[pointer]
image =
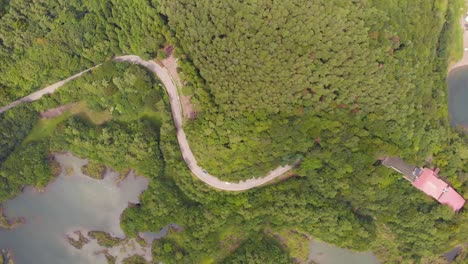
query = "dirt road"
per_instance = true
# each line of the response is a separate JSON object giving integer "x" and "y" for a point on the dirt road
{"x": 47, "y": 90}
{"x": 176, "y": 109}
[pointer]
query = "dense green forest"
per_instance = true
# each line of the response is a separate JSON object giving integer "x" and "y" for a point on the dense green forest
{"x": 44, "y": 41}
{"x": 258, "y": 251}
{"x": 107, "y": 122}
{"x": 332, "y": 83}
{"x": 357, "y": 73}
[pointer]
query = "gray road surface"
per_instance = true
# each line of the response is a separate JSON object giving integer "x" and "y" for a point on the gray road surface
{"x": 176, "y": 109}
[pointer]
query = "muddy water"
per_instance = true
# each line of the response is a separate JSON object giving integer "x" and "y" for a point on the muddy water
{"x": 69, "y": 203}
{"x": 458, "y": 96}
{"x": 323, "y": 253}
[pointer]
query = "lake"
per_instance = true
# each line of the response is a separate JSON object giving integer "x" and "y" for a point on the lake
{"x": 67, "y": 204}
{"x": 324, "y": 253}
{"x": 77, "y": 202}
{"x": 458, "y": 96}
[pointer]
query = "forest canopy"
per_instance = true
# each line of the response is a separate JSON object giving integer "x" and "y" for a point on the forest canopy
{"x": 333, "y": 85}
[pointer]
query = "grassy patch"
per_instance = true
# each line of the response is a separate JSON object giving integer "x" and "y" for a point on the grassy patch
{"x": 78, "y": 244}
{"x": 208, "y": 260}
{"x": 296, "y": 243}
{"x": 9, "y": 223}
{"x": 82, "y": 109}
{"x": 104, "y": 239}
{"x": 136, "y": 259}
{"x": 54, "y": 166}
{"x": 45, "y": 127}
{"x": 110, "y": 259}
{"x": 231, "y": 238}
{"x": 455, "y": 31}
{"x": 94, "y": 169}
{"x": 69, "y": 170}
{"x": 145, "y": 114}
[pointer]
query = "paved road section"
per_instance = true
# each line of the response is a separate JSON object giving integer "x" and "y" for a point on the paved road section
{"x": 47, "y": 90}
{"x": 176, "y": 109}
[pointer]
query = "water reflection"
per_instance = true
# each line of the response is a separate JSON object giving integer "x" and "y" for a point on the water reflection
{"x": 458, "y": 96}
{"x": 67, "y": 204}
{"x": 149, "y": 237}
{"x": 324, "y": 253}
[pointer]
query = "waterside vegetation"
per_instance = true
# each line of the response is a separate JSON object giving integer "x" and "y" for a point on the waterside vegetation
{"x": 334, "y": 84}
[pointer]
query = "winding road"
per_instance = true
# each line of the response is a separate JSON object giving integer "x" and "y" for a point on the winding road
{"x": 163, "y": 74}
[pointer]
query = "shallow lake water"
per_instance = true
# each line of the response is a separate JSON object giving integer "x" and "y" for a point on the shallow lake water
{"x": 69, "y": 203}
{"x": 149, "y": 237}
{"x": 80, "y": 203}
{"x": 324, "y": 253}
{"x": 458, "y": 96}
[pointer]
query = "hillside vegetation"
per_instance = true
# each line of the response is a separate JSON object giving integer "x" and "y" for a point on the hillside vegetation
{"x": 276, "y": 78}
{"x": 333, "y": 84}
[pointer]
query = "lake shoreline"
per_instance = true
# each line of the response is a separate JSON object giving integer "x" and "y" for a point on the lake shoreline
{"x": 70, "y": 201}
{"x": 457, "y": 81}
{"x": 7, "y": 223}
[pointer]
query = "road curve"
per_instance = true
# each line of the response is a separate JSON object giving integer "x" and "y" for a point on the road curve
{"x": 176, "y": 109}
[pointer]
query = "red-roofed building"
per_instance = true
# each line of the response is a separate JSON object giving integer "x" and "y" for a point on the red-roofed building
{"x": 427, "y": 181}
{"x": 452, "y": 199}
{"x": 432, "y": 185}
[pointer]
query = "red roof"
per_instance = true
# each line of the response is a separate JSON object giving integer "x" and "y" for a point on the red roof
{"x": 452, "y": 199}
{"x": 429, "y": 183}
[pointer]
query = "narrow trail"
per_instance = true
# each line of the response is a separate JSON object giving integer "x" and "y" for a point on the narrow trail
{"x": 171, "y": 89}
